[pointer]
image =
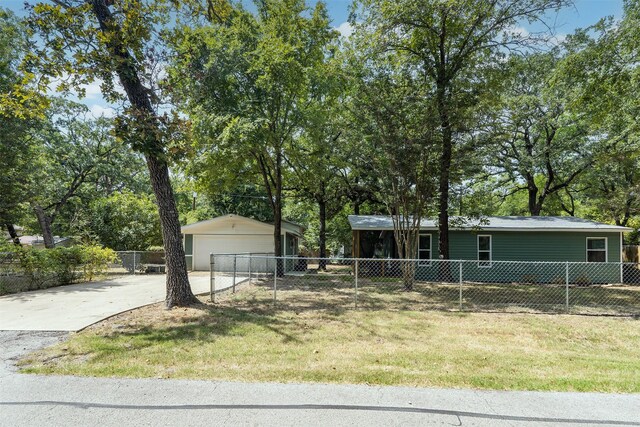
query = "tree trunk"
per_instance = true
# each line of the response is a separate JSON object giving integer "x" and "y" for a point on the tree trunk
{"x": 407, "y": 246}
{"x": 356, "y": 208}
{"x": 442, "y": 83}
{"x": 534, "y": 206}
{"x": 408, "y": 274}
{"x": 45, "y": 225}
{"x": 13, "y": 234}
{"x": 444, "y": 272}
{"x": 443, "y": 202}
{"x": 627, "y": 214}
{"x": 322, "y": 204}
{"x": 178, "y": 288}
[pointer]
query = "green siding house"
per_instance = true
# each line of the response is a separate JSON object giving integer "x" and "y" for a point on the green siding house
{"x": 499, "y": 245}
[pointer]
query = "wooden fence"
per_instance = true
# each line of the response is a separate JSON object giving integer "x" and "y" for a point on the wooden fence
{"x": 631, "y": 253}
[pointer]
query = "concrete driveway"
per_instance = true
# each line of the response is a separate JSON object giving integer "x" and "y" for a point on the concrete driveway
{"x": 73, "y": 307}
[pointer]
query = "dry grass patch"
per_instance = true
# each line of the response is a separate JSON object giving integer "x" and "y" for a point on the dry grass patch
{"x": 245, "y": 338}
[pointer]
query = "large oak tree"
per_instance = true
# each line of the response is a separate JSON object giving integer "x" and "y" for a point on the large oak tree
{"x": 457, "y": 43}
{"x": 248, "y": 82}
{"x": 117, "y": 43}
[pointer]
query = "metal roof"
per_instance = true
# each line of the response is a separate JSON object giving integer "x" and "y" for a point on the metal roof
{"x": 492, "y": 223}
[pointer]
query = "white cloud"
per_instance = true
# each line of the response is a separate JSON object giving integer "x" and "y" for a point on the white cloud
{"x": 519, "y": 31}
{"x": 92, "y": 90}
{"x": 345, "y": 29}
{"x": 558, "y": 39}
{"x": 101, "y": 111}
{"x": 522, "y": 33}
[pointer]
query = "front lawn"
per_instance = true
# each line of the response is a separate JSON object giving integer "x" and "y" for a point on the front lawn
{"x": 243, "y": 339}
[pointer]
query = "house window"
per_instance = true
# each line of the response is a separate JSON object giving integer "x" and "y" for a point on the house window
{"x": 596, "y": 249}
{"x": 424, "y": 249}
{"x": 484, "y": 251}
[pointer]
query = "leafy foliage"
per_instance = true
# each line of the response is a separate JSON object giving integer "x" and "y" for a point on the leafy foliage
{"x": 536, "y": 142}
{"x": 59, "y": 266}
{"x": 125, "y": 221}
{"x": 17, "y": 112}
{"x": 119, "y": 43}
{"x": 249, "y": 79}
{"x": 428, "y": 108}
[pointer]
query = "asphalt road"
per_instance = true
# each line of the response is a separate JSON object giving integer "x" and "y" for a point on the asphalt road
{"x": 29, "y": 400}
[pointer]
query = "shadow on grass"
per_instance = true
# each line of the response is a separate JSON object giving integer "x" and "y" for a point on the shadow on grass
{"x": 337, "y": 294}
{"x": 210, "y": 323}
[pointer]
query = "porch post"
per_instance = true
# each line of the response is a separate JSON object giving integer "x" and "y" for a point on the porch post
{"x": 212, "y": 279}
{"x": 460, "y": 279}
{"x": 356, "y": 284}
{"x": 235, "y": 259}
{"x": 275, "y": 280}
{"x": 566, "y": 286}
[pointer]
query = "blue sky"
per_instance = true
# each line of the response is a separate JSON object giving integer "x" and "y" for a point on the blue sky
{"x": 583, "y": 14}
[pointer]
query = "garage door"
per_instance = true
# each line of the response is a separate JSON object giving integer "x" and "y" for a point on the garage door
{"x": 203, "y": 245}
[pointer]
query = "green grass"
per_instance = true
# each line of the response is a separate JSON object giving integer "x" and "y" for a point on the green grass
{"x": 244, "y": 338}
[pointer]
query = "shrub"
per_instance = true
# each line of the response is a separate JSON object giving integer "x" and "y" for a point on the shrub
{"x": 42, "y": 268}
{"x": 96, "y": 260}
{"x": 64, "y": 263}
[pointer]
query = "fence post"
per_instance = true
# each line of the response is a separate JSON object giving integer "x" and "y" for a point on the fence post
{"x": 275, "y": 279}
{"x": 356, "y": 295}
{"x": 566, "y": 280}
{"x": 621, "y": 273}
{"x": 235, "y": 259}
{"x": 134, "y": 263}
{"x": 460, "y": 279}
{"x": 250, "y": 269}
{"x": 212, "y": 279}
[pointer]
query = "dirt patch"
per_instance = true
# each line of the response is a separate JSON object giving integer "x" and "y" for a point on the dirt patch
{"x": 16, "y": 344}
{"x": 153, "y": 314}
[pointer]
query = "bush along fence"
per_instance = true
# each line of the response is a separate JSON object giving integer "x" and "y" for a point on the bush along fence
{"x": 299, "y": 283}
{"x": 23, "y": 269}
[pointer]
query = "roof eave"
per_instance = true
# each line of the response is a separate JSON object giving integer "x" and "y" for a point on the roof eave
{"x": 481, "y": 229}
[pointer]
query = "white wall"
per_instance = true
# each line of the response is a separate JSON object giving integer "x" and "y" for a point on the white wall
{"x": 203, "y": 245}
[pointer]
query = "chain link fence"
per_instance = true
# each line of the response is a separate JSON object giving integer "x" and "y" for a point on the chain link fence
{"x": 137, "y": 262}
{"x": 232, "y": 272}
{"x": 299, "y": 283}
{"x": 14, "y": 278}
{"x": 20, "y": 275}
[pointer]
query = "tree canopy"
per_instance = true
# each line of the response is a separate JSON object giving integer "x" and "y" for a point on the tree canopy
{"x": 428, "y": 109}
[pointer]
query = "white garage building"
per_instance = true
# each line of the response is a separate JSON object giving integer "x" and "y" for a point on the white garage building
{"x": 235, "y": 234}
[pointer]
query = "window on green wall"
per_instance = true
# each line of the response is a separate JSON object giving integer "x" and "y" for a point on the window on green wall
{"x": 484, "y": 250}
{"x": 424, "y": 249}
{"x": 596, "y": 249}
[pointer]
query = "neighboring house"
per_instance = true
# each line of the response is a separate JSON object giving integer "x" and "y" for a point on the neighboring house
{"x": 17, "y": 228}
{"x": 235, "y": 234}
{"x": 556, "y": 239}
{"x": 38, "y": 241}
